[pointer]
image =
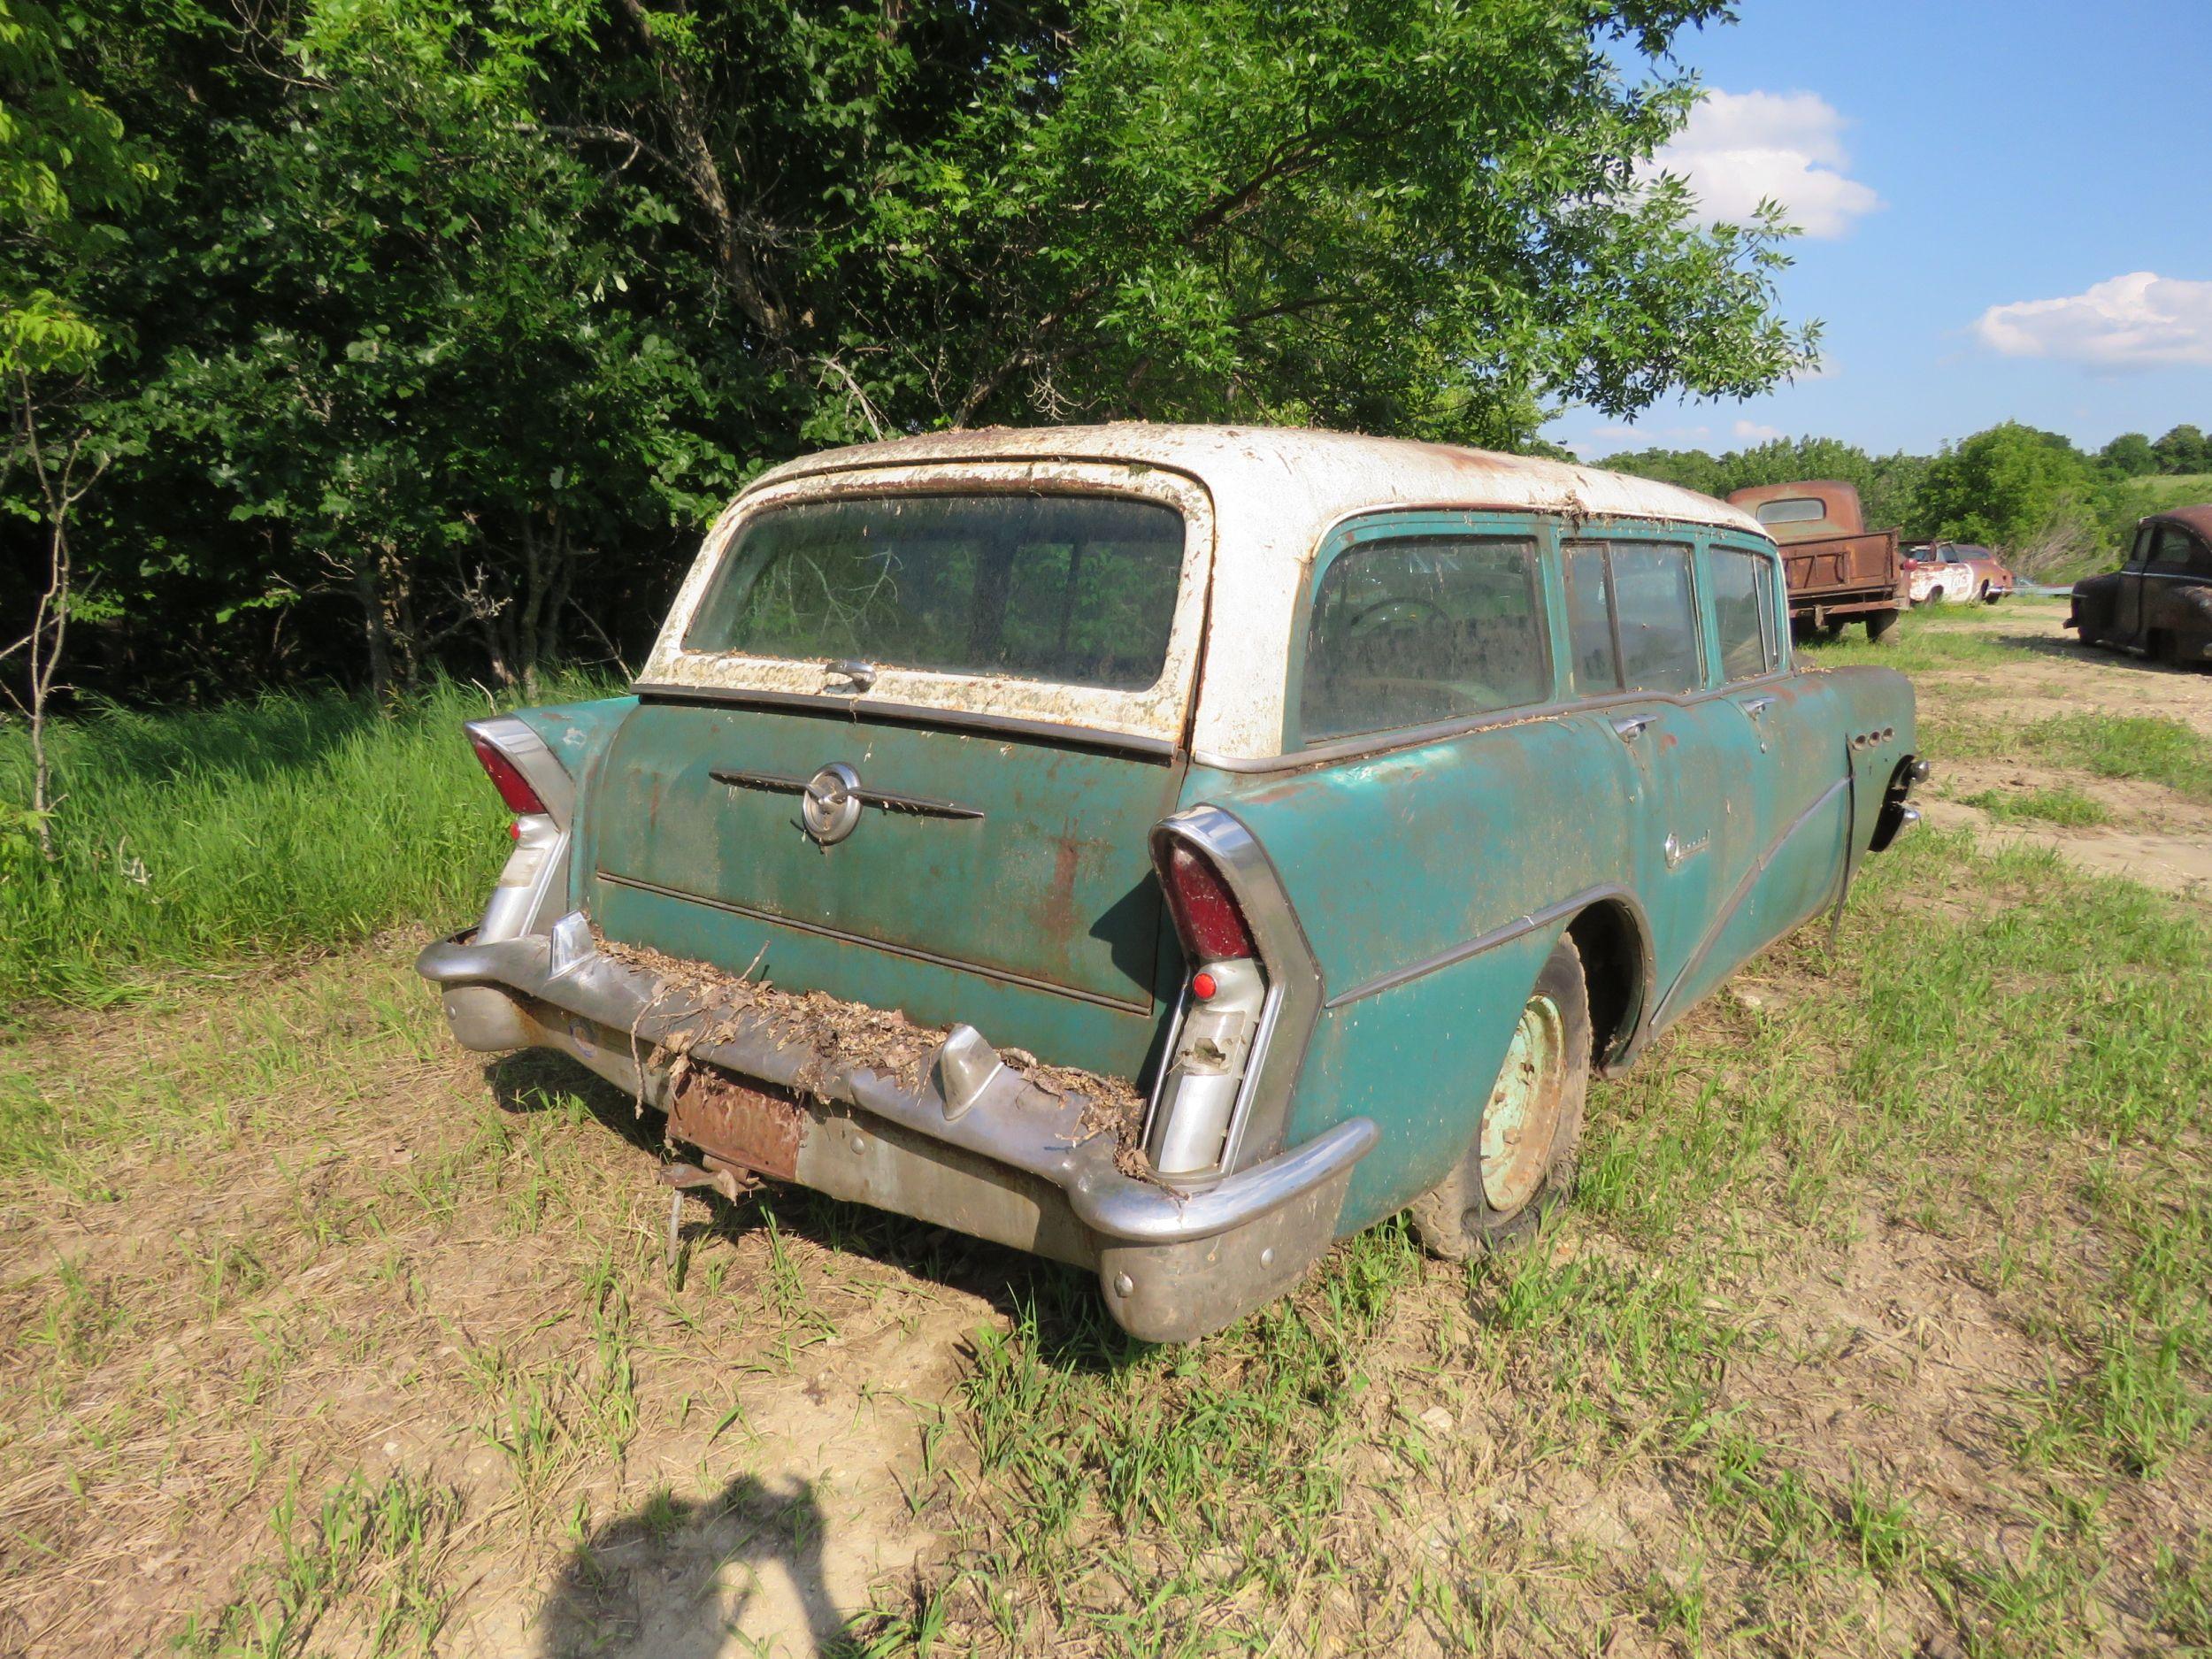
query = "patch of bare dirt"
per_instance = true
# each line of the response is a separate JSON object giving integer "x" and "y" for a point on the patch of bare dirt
{"x": 2154, "y": 836}
{"x": 2064, "y": 676}
{"x": 412, "y": 1265}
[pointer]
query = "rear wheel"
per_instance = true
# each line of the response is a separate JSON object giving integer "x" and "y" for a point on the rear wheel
{"x": 1522, "y": 1159}
{"x": 1879, "y": 623}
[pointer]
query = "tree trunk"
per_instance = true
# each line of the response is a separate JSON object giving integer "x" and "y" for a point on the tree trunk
{"x": 374, "y": 634}
{"x": 60, "y": 489}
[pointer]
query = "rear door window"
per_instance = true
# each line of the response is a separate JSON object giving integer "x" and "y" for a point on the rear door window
{"x": 1410, "y": 632}
{"x": 1596, "y": 665}
{"x": 1653, "y": 610}
{"x": 1743, "y": 613}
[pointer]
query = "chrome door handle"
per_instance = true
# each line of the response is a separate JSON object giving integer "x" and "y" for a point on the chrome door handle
{"x": 1629, "y": 727}
{"x": 1755, "y": 706}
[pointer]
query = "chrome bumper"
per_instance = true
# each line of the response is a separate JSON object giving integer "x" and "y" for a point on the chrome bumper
{"x": 973, "y": 1147}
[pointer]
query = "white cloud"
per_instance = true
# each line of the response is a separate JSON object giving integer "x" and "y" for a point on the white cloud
{"x": 1753, "y": 431}
{"x": 2137, "y": 321}
{"x": 1741, "y": 148}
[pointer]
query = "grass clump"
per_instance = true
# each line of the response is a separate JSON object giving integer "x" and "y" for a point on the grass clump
{"x": 365, "y": 1559}
{"x": 2148, "y": 747}
{"x": 195, "y": 838}
{"x": 2064, "y": 805}
{"x": 2142, "y": 747}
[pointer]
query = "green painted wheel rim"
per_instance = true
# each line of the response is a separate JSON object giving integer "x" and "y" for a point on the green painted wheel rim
{"x": 1521, "y": 1119}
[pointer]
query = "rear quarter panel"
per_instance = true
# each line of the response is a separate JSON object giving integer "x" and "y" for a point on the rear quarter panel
{"x": 1873, "y": 715}
{"x": 1395, "y": 860}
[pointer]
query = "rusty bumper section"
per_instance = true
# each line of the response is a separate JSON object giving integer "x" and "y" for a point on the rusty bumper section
{"x": 972, "y": 1146}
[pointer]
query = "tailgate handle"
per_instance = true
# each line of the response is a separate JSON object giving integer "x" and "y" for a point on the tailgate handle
{"x": 1629, "y": 727}
{"x": 886, "y": 800}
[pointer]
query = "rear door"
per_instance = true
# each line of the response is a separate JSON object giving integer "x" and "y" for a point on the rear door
{"x": 1634, "y": 633}
{"x": 1796, "y": 761}
{"x": 916, "y": 831}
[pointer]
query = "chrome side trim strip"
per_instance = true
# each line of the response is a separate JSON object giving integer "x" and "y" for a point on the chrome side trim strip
{"x": 1503, "y": 934}
{"x": 1028, "y": 982}
{"x": 856, "y": 708}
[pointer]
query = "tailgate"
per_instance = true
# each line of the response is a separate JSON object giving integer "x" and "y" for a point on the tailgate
{"x": 1841, "y": 565}
{"x": 1000, "y": 880}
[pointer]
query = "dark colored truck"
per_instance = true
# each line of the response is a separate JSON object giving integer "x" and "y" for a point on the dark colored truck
{"x": 1837, "y": 568}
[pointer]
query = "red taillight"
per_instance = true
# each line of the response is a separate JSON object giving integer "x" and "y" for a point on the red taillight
{"x": 1206, "y": 914}
{"x": 513, "y": 787}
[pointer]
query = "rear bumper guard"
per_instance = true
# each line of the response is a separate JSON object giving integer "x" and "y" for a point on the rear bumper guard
{"x": 972, "y": 1147}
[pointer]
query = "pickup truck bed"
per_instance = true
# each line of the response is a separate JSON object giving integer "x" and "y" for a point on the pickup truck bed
{"x": 1837, "y": 571}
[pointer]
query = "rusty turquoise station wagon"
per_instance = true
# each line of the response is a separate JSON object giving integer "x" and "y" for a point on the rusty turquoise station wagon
{"x": 1344, "y": 803}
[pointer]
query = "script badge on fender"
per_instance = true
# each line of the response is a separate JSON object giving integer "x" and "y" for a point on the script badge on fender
{"x": 831, "y": 805}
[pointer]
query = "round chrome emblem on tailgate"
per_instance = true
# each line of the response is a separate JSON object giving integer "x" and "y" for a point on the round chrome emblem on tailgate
{"x": 831, "y": 805}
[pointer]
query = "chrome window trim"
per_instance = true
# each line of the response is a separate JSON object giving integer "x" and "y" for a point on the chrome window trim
{"x": 1160, "y": 711}
{"x": 1296, "y": 989}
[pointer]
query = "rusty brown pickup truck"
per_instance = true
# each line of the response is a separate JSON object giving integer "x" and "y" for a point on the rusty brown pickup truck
{"x": 1838, "y": 569}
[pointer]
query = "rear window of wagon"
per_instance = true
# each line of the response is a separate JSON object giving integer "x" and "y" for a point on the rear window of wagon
{"x": 1076, "y": 590}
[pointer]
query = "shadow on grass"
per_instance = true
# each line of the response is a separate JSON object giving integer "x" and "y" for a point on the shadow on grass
{"x": 1073, "y": 1331}
{"x": 2073, "y": 650}
{"x": 677, "y": 1577}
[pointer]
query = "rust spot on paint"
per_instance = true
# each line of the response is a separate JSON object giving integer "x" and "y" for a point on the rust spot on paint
{"x": 1059, "y": 917}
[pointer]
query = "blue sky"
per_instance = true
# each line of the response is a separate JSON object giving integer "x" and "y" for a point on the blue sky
{"x": 1988, "y": 186}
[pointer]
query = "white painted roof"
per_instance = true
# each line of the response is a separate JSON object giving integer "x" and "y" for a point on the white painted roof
{"x": 1258, "y": 502}
{"x": 1323, "y": 474}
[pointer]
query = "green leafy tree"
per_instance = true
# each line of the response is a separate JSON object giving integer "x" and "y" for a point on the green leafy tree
{"x": 1692, "y": 469}
{"x": 2129, "y": 456}
{"x": 2182, "y": 450}
{"x": 2027, "y": 492}
{"x": 66, "y": 169}
{"x": 449, "y": 325}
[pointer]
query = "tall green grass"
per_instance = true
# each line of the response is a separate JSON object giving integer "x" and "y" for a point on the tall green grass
{"x": 197, "y": 838}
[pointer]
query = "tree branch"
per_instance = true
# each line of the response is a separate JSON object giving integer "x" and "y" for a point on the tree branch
{"x": 695, "y": 163}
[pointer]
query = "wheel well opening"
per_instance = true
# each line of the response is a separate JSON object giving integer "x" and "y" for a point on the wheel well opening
{"x": 1615, "y": 966}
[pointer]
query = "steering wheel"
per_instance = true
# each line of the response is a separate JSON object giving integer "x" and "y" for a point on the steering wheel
{"x": 1399, "y": 610}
